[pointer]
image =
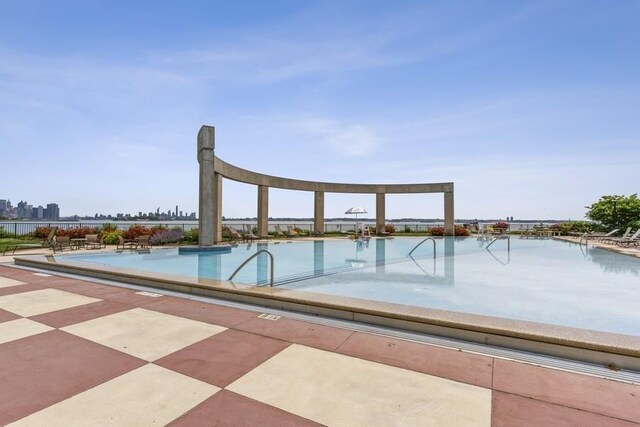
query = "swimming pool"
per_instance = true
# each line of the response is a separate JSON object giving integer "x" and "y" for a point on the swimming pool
{"x": 537, "y": 280}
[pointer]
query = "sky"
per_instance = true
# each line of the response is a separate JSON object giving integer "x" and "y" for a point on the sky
{"x": 529, "y": 107}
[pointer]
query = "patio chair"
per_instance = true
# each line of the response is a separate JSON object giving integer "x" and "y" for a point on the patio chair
{"x": 93, "y": 242}
{"x": 60, "y": 243}
{"x": 126, "y": 244}
{"x": 143, "y": 241}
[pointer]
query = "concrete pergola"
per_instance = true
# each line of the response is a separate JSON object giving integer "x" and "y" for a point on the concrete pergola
{"x": 213, "y": 169}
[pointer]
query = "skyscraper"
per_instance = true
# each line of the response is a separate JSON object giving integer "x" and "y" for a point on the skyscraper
{"x": 53, "y": 211}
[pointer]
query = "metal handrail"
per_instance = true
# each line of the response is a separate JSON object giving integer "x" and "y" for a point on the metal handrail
{"x": 249, "y": 259}
{"x": 497, "y": 238}
{"x": 584, "y": 236}
{"x": 428, "y": 238}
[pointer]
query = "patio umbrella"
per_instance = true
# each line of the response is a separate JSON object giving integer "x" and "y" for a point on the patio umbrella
{"x": 355, "y": 211}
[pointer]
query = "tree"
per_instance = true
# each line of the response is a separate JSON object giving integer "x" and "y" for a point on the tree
{"x": 616, "y": 211}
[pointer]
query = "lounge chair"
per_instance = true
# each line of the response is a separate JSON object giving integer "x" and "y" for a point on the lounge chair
{"x": 248, "y": 234}
{"x": 93, "y": 242}
{"x": 613, "y": 239}
{"x": 628, "y": 241}
{"x": 126, "y": 244}
{"x": 279, "y": 232}
{"x": 60, "y": 243}
{"x": 235, "y": 236}
{"x": 291, "y": 232}
{"x": 49, "y": 240}
{"x": 600, "y": 236}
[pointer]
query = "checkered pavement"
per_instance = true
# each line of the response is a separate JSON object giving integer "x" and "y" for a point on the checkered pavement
{"x": 80, "y": 353}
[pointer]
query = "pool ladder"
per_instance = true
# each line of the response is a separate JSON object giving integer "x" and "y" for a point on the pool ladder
{"x": 252, "y": 257}
{"x": 428, "y": 238}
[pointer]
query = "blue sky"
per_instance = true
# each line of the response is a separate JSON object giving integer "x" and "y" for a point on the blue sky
{"x": 530, "y": 108}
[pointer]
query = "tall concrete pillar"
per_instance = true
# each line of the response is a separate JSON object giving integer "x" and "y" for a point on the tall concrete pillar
{"x": 207, "y": 196}
{"x": 263, "y": 210}
{"x": 380, "y": 200}
{"x": 217, "y": 211}
{"x": 449, "y": 226}
{"x": 318, "y": 213}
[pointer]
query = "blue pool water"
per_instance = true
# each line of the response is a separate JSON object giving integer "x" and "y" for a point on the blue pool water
{"x": 537, "y": 280}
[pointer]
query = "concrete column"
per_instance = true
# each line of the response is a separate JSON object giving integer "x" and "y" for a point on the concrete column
{"x": 380, "y": 201}
{"x": 217, "y": 211}
{"x": 449, "y": 226}
{"x": 318, "y": 213}
{"x": 207, "y": 196}
{"x": 263, "y": 210}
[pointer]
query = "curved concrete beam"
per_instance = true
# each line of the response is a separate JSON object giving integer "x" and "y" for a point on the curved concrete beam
{"x": 235, "y": 173}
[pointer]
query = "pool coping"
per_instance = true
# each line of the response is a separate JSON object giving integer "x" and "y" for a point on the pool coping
{"x": 617, "y": 351}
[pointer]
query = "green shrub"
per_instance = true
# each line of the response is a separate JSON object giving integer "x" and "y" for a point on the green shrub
{"x": 107, "y": 227}
{"x": 407, "y": 229}
{"x": 111, "y": 238}
{"x": 192, "y": 236}
{"x": 3, "y": 234}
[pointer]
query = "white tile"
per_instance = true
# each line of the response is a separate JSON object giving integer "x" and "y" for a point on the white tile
{"x": 6, "y": 282}
{"x": 42, "y": 301}
{"x": 20, "y": 328}
{"x": 150, "y": 395}
{"x": 339, "y": 390}
{"x": 146, "y": 334}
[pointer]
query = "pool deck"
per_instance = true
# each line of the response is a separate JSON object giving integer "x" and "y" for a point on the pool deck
{"x": 77, "y": 352}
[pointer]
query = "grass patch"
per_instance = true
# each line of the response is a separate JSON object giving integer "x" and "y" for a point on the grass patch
{"x": 4, "y": 243}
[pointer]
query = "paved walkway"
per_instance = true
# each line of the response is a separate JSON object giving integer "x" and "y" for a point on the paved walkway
{"x": 80, "y": 353}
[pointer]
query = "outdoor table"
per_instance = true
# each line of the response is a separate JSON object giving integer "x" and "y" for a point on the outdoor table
{"x": 78, "y": 243}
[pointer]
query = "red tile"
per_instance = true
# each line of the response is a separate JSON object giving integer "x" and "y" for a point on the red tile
{"x": 224, "y": 357}
{"x": 73, "y": 315}
{"x": 510, "y": 410}
{"x": 47, "y": 368}
{"x": 15, "y": 273}
{"x": 5, "y": 316}
{"x": 89, "y": 289}
{"x": 310, "y": 334}
{"x": 442, "y": 362}
{"x": 227, "y": 409}
{"x": 203, "y": 312}
{"x": 606, "y": 397}
{"x": 17, "y": 289}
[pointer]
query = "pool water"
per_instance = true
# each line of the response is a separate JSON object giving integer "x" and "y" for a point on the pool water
{"x": 540, "y": 280}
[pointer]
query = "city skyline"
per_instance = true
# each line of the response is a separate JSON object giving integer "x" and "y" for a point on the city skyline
{"x": 529, "y": 108}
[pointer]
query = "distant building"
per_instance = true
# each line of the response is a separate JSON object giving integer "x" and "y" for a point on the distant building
{"x": 52, "y": 211}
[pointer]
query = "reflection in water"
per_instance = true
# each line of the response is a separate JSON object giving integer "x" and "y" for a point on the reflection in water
{"x": 380, "y": 254}
{"x": 612, "y": 262}
{"x": 318, "y": 257}
{"x": 449, "y": 259}
{"x": 262, "y": 264}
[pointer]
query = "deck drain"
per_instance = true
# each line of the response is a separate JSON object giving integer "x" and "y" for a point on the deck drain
{"x": 148, "y": 294}
{"x": 268, "y": 316}
{"x": 42, "y": 274}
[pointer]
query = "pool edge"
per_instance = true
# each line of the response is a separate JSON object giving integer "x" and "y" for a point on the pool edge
{"x": 612, "y": 350}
